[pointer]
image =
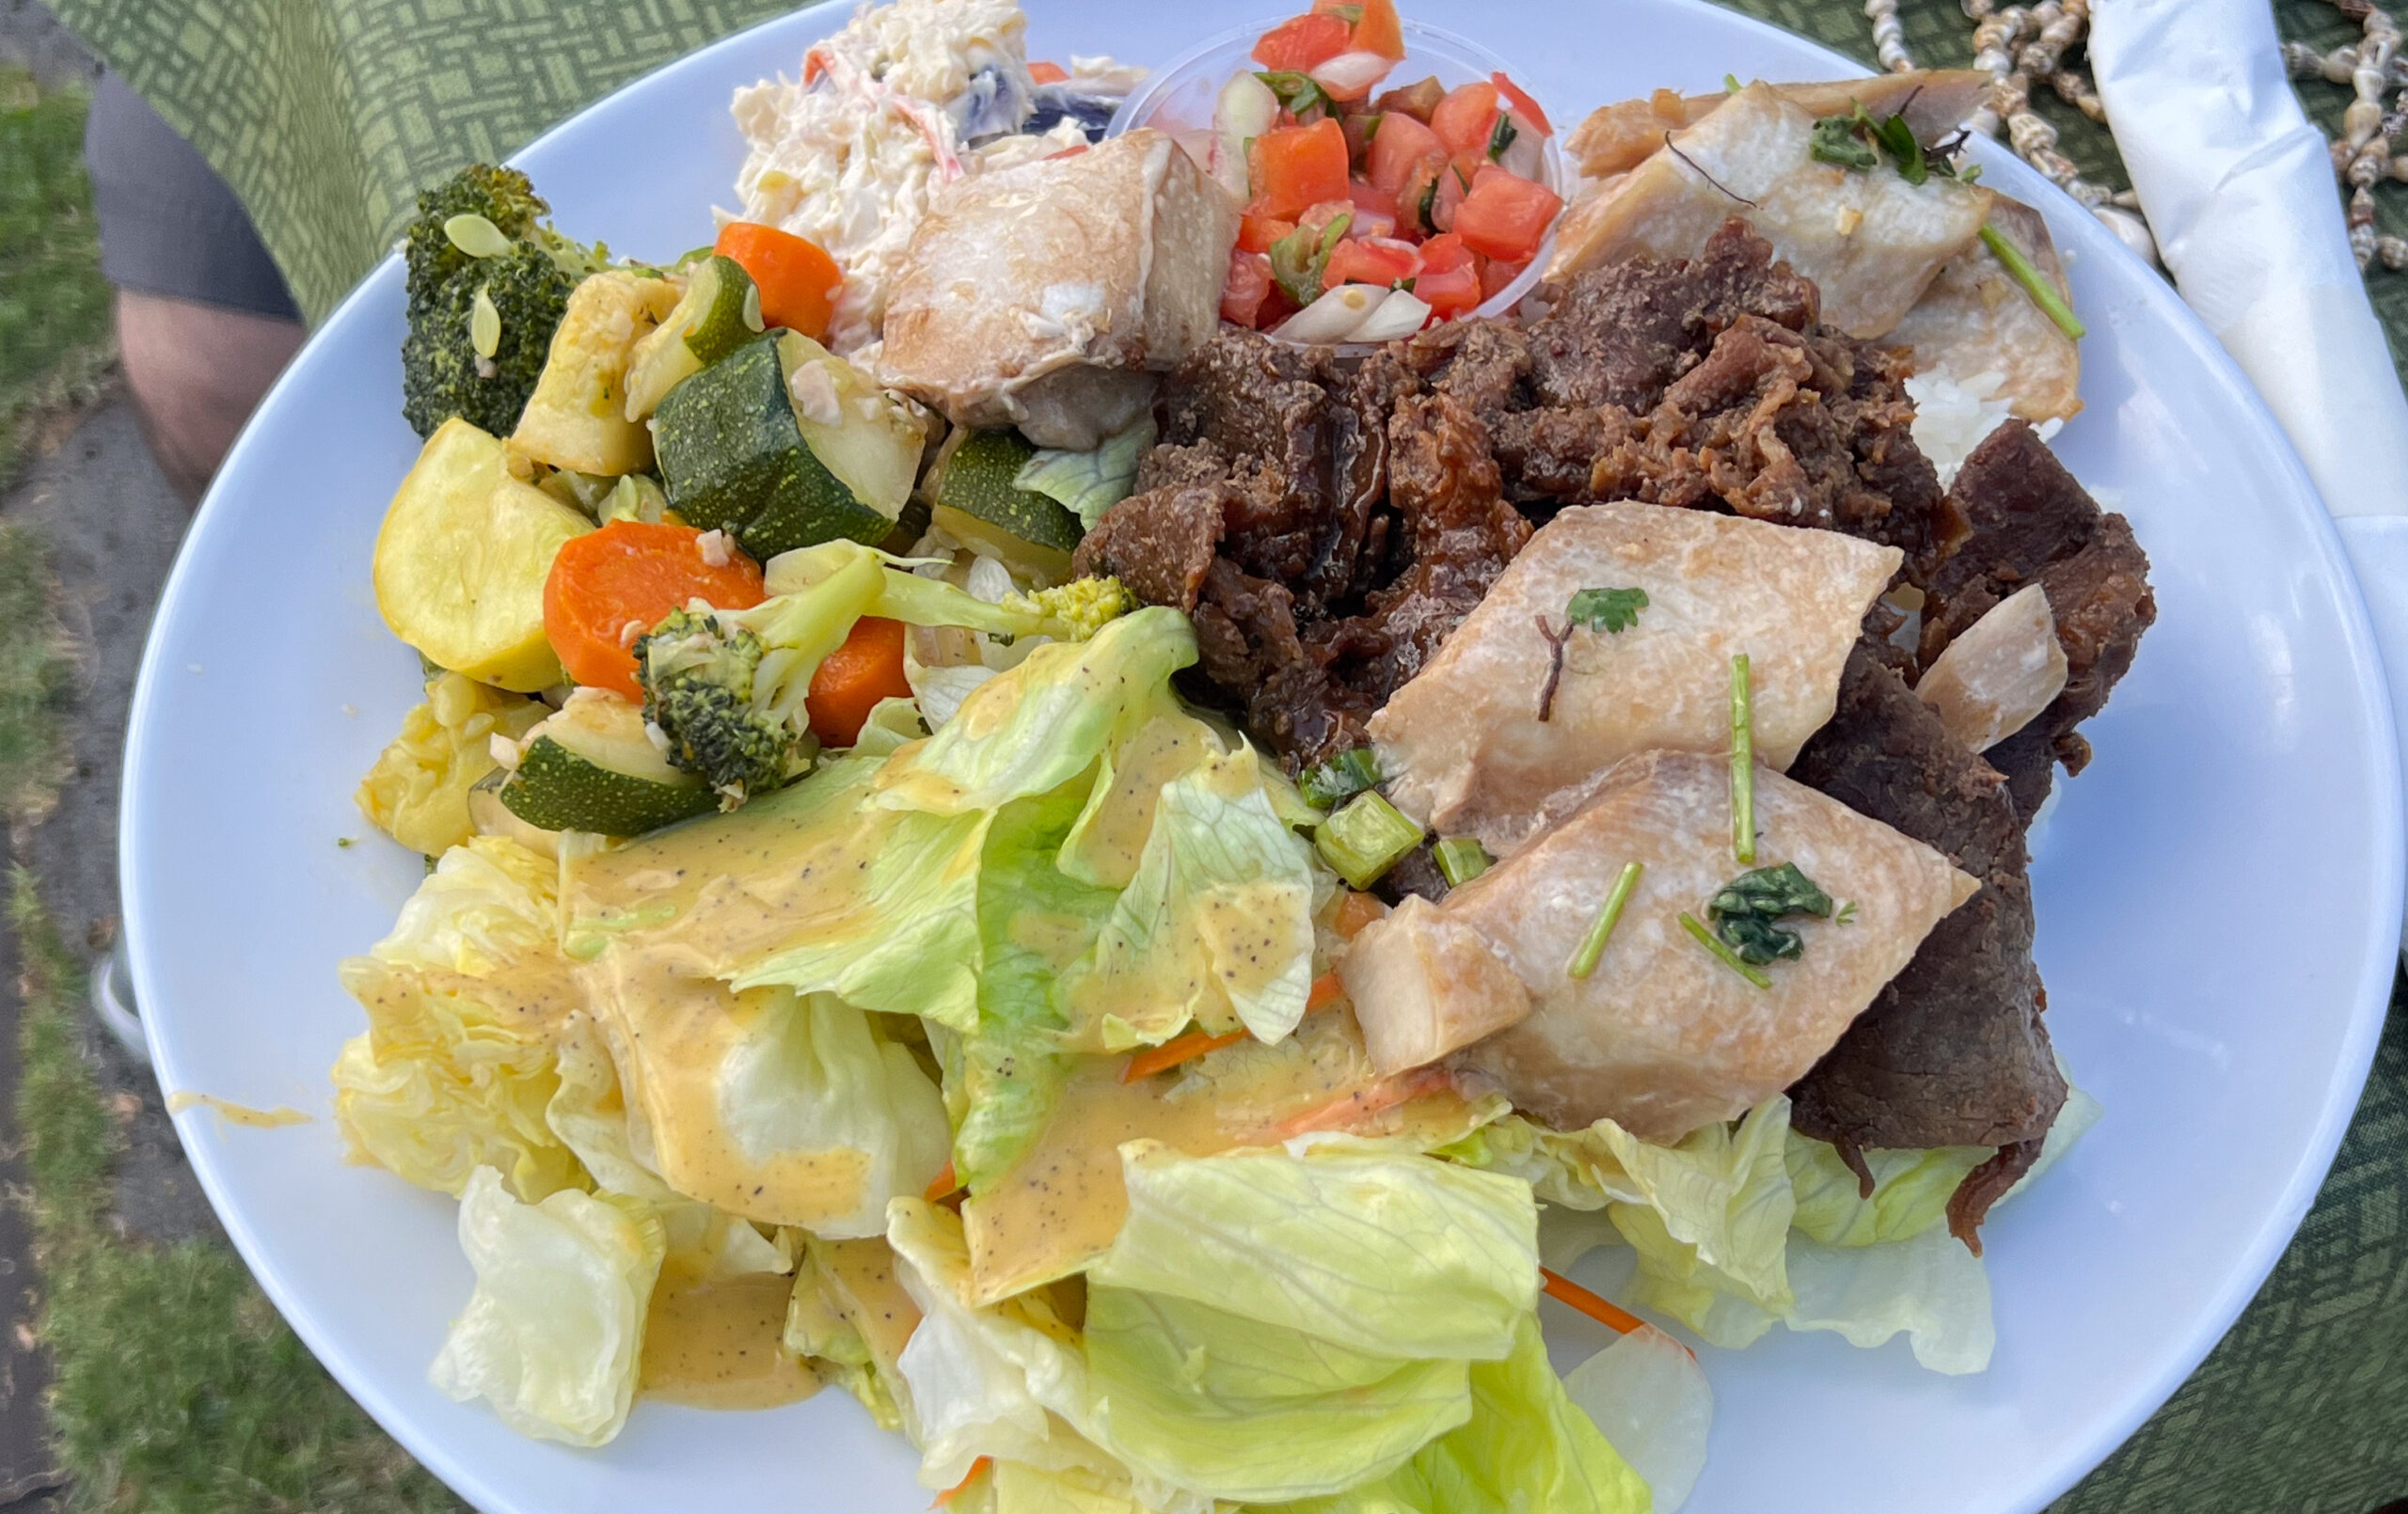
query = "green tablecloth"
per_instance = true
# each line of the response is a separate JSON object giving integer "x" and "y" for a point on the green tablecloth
{"x": 327, "y": 114}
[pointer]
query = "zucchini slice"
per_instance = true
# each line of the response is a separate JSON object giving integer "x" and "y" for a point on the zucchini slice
{"x": 575, "y": 420}
{"x": 462, "y": 558}
{"x": 591, "y": 768}
{"x": 977, "y": 504}
{"x": 783, "y": 446}
{"x": 719, "y": 313}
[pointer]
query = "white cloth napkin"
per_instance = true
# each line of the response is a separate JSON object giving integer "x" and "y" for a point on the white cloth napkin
{"x": 2240, "y": 190}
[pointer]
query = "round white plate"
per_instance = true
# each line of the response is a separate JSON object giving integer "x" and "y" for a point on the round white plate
{"x": 2219, "y": 895}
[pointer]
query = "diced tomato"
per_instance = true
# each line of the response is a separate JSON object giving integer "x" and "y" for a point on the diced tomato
{"x": 1370, "y": 221}
{"x": 1277, "y": 307}
{"x": 1380, "y": 263}
{"x": 1520, "y": 103}
{"x": 1453, "y": 184}
{"x": 1445, "y": 252}
{"x": 1297, "y": 167}
{"x": 1055, "y": 73}
{"x": 1317, "y": 218}
{"x": 1506, "y": 217}
{"x": 1248, "y": 281}
{"x": 1464, "y": 119}
{"x": 1448, "y": 292}
{"x": 1380, "y": 31}
{"x": 1295, "y": 46}
{"x": 1494, "y": 275}
{"x": 1397, "y": 147}
{"x": 1371, "y": 199}
{"x": 1358, "y": 128}
{"x": 1256, "y": 233}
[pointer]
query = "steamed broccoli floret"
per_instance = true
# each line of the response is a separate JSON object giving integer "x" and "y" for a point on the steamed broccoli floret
{"x": 1078, "y": 609}
{"x": 698, "y": 673}
{"x": 527, "y": 284}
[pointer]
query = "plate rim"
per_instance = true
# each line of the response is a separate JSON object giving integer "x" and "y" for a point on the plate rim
{"x": 2079, "y": 1455}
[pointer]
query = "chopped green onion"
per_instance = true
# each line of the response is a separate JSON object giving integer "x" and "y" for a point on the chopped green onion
{"x": 1341, "y": 778}
{"x": 1847, "y": 915}
{"x": 1743, "y": 762}
{"x": 1365, "y": 839}
{"x": 2044, "y": 294}
{"x": 1592, "y": 946}
{"x": 1459, "y": 859}
{"x": 476, "y": 236}
{"x": 1501, "y": 138}
{"x": 1730, "y": 959}
{"x": 1731, "y": 83}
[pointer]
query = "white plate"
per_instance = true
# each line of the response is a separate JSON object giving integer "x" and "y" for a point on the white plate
{"x": 2219, "y": 895}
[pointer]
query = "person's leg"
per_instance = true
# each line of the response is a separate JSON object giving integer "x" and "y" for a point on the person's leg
{"x": 204, "y": 321}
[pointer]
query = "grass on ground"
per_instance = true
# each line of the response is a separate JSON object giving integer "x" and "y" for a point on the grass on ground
{"x": 54, "y": 340}
{"x": 176, "y": 1388}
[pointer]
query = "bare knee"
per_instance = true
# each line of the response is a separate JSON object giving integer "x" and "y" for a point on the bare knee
{"x": 196, "y": 371}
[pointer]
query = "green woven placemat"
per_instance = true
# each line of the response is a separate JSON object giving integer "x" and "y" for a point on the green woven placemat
{"x": 327, "y": 114}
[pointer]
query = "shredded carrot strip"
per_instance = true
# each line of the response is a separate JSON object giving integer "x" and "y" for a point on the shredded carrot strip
{"x": 946, "y": 1185}
{"x": 1620, "y": 1320}
{"x": 1172, "y": 1052}
{"x": 1180, "y": 1049}
{"x": 1364, "y": 1103}
{"x": 977, "y": 1469}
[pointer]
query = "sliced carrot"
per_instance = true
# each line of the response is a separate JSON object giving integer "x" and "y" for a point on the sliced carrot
{"x": 798, "y": 280}
{"x": 1562, "y": 1288}
{"x": 1521, "y": 104}
{"x": 977, "y": 1470}
{"x": 1356, "y": 911}
{"x": 1178, "y": 1048}
{"x": 632, "y": 574}
{"x": 1365, "y": 1102}
{"x": 1051, "y": 72}
{"x": 1326, "y": 991}
{"x": 1297, "y": 46}
{"x": 945, "y": 1184}
{"x": 847, "y": 686}
{"x": 1300, "y": 167}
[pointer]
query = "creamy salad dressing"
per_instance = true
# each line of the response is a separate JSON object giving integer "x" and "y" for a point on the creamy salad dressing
{"x": 718, "y": 1343}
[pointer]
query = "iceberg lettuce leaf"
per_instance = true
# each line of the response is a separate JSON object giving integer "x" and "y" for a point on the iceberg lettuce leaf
{"x": 1390, "y": 1255}
{"x": 554, "y": 1336}
{"x": 1089, "y": 484}
{"x": 453, "y": 1073}
{"x": 1910, "y": 1194}
{"x": 1215, "y": 927}
{"x": 1033, "y": 728}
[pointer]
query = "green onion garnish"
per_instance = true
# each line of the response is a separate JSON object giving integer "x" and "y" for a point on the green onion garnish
{"x": 1365, "y": 839}
{"x": 1592, "y": 946}
{"x": 1743, "y": 762}
{"x": 2044, "y": 293}
{"x": 1339, "y": 778}
{"x": 1460, "y": 860}
{"x": 1730, "y": 959}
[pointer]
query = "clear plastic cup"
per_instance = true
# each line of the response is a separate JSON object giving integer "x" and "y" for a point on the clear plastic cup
{"x": 1178, "y": 98}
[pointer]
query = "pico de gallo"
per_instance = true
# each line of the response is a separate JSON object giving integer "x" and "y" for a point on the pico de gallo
{"x": 1370, "y": 213}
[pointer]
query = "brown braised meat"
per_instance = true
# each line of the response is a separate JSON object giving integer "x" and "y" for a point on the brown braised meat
{"x": 2028, "y": 518}
{"x": 1704, "y": 382}
{"x": 1953, "y": 1053}
{"x": 1324, "y": 527}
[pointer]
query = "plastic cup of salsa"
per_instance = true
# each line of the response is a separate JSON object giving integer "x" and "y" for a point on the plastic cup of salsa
{"x": 1179, "y": 98}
